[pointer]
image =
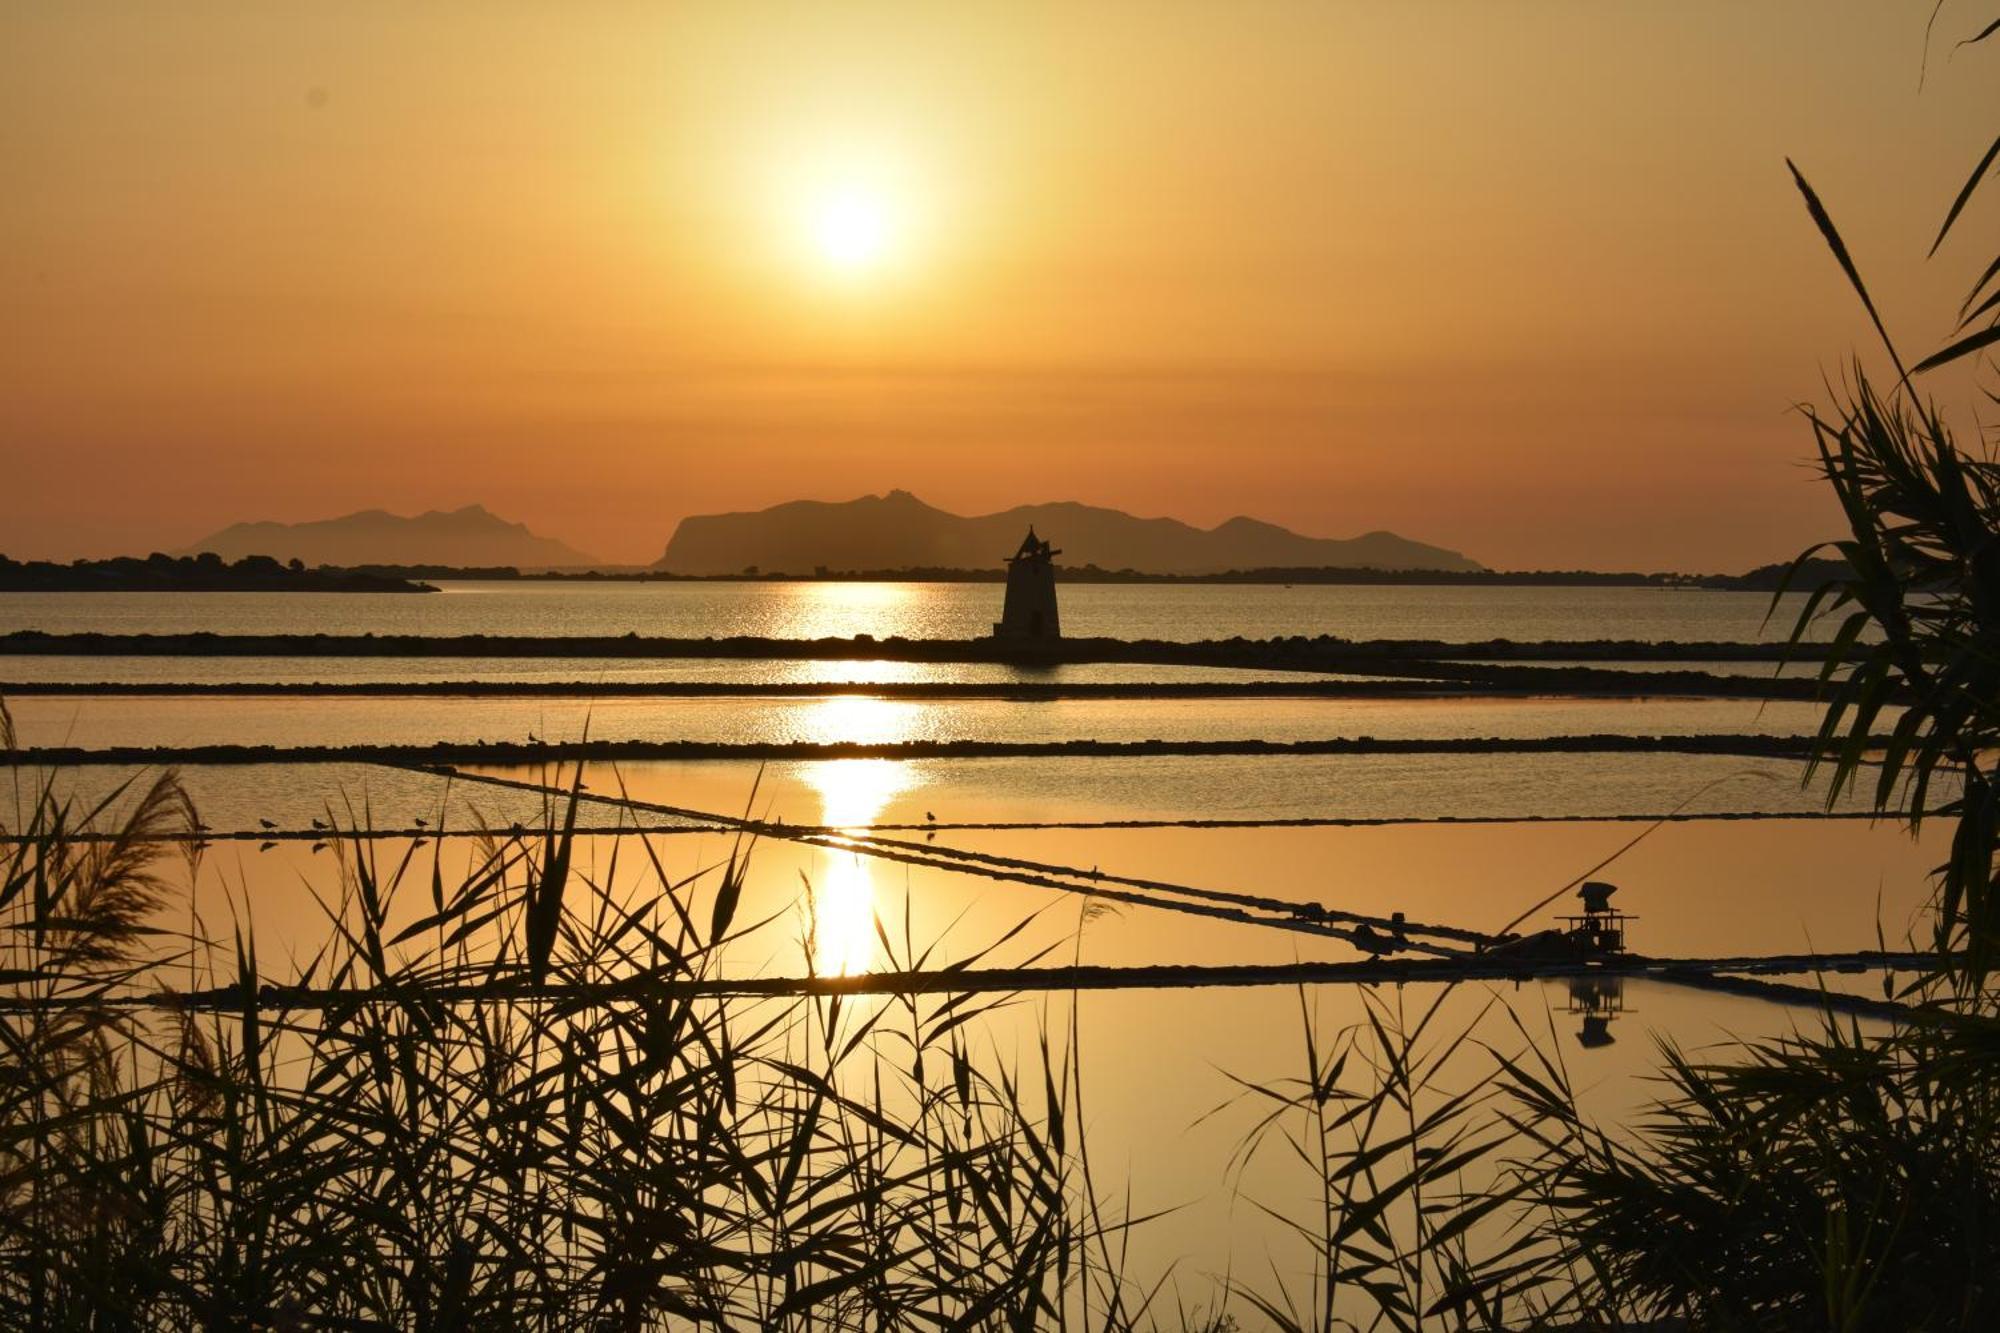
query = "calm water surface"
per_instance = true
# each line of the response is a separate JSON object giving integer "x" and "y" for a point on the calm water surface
{"x": 233, "y": 798}
{"x": 1177, "y": 612}
{"x": 590, "y": 672}
{"x": 107, "y": 720}
{"x": 1706, "y": 886}
{"x": 1161, "y": 1113}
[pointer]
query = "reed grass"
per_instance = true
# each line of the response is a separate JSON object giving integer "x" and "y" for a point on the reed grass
{"x": 476, "y": 1132}
{"x": 1845, "y": 1180}
{"x": 1831, "y": 1180}
{"x": 513, "y": 1161}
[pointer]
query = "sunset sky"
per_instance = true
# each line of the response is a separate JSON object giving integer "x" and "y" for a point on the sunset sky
{"x": 1529, "y": 281}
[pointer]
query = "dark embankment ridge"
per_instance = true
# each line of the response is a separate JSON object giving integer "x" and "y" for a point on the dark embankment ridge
{"x": 627, "y": 830}
{"x": 1174, "y": 976}
{"x": 1323, "y": 653}
{"x": 1443, "y": 681}
{"x": 516, "y": 752}
{"x": 1486, "y": 678}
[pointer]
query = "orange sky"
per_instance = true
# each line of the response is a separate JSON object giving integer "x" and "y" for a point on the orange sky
{"x": 1525, "y": 280}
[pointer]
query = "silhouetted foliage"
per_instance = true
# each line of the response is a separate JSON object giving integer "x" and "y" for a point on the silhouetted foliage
{"x": 1846, "y": 1180}
{"x": 190, "y": 573}
{"x": 446, "y": 1142}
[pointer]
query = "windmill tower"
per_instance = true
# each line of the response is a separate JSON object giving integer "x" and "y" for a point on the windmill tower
{"x": 1030, "y": 612}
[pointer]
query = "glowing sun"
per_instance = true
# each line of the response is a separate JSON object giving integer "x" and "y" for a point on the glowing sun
{"x": 853, "y": 228}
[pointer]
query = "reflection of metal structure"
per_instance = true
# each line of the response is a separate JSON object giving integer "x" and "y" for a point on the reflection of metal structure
{"x": 1598, "y": 932}
{"x": 1601, "y": 928}
{"x": 1030, "y": 612}
{"x": 1597, "y": 997}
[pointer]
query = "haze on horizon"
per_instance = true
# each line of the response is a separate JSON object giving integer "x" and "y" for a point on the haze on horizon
{"x": 1525, "y": 280}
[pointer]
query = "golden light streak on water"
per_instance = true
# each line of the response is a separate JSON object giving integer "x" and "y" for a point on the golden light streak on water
{"x": 839, "y": 609}
{"x": 841, "y": 909}
{"x": 861, "y": 719}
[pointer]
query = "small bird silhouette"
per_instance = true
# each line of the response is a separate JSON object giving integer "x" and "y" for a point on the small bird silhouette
{"x": 319, "y": 847}
{"x": 319, "y": 825}
{"x": 928, "y": 815}
{"x": 1369, "y": 940}
{"x": 422, "y": 822}
{"x": 267, "y": 824}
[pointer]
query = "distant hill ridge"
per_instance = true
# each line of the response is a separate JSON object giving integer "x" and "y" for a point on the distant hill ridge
{"x": 459, "y": 537}
{"x": 899, "y": 531}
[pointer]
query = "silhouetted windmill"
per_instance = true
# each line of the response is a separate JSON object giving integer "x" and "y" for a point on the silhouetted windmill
{"x": 1030, "y": 609}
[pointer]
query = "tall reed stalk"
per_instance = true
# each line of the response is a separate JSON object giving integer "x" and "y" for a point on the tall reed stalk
{"x": 519, "y": 1159}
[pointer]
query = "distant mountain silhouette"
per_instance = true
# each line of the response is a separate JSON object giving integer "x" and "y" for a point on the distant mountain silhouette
{"x": 899, "y": 531}
{"x": 468, "y": 536}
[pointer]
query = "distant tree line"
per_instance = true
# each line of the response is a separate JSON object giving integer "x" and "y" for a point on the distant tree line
{"x": 207, "y": 572}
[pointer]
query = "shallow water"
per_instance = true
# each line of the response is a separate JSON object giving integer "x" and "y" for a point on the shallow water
{"x": 590, "y": 672}
{"x": 1799, "y": 670}
{"x": 106, "y": 720}
{"x": 914, "y": 793}
{"x": 1163, "y": 1112}
{"x": 924, "y": 611}
{"x": 1159, "y": 1061}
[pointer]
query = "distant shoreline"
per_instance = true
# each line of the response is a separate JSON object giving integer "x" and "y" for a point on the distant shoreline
{"x": 158, "y": 573}
{"x": 1417, "y": 681}
{"x": 204, "y": 573}
{"x": 1095, "y": 574}
{"x": 1765, "y": 579}
{"x": 517, "y": 752}
{"x": 1324, "y": 653}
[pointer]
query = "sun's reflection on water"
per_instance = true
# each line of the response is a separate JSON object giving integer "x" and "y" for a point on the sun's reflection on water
{"x": 839, "y": 610}
{"x": 840, "y": 910}
{"x": 861, "y": 719}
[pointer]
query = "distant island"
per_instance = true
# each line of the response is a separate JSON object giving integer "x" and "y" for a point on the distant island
{"x": 460, "y": 537}
{"x": 258, "y": 573}
{"x": 897, "y": 531}
{"x": 890, "y": 537}
{"x": 129, "y": 574}
{"x": 201, "y": 573}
